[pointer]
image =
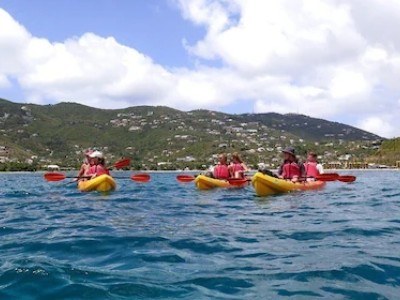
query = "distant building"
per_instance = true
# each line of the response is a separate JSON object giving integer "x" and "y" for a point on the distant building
{"x": 53, "y": 167}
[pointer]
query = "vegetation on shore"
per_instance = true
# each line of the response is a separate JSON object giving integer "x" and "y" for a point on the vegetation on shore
{"x": 165, "y": 138}
{"x": 389, "y": 152}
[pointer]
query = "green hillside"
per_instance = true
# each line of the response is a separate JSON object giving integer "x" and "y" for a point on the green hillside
{"x": 162, "y": 137}
{"x": 389, "y": 152}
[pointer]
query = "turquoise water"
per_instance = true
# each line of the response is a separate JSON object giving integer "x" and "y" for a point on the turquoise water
{"x": 167, "y": 240}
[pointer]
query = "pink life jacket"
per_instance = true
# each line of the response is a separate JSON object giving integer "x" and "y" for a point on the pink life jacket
{"x": 237, "y": 167}
{"x": 98, "y": 170}
{"x": 311, "y": 169}
{"x": 221, "y": 172}
{"x": 291, "y": 170}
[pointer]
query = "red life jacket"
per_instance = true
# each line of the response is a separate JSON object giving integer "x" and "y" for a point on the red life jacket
{"x": 311, "y": 169}
{"x": 221, "y": 172}
{"x": 291, "y": 170}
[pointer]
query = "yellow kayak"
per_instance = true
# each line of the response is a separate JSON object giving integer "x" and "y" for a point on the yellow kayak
{"x": 203, "y": 182}
{"x": 102, "y": 183}
{"x": 265, "y": 185}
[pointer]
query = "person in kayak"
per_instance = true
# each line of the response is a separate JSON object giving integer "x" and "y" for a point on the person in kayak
{"x": 237, "y": 166}
{"x": 291, "y": 168}
{"x": 312, "y": 167}
{"x": 221, "y": 169}
{"x": 84, "y": 170}
{"x": 98, "y": 168}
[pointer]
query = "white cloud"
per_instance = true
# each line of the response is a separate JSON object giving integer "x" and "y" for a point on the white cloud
{"x": 322, "y": 58}
{"x": 4, "y": 82}
{"x": 333, "y": 59}
{"x": 378, "y": 125}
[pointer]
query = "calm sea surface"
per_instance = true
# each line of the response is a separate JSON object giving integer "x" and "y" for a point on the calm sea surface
{"x": 164, "y": 240}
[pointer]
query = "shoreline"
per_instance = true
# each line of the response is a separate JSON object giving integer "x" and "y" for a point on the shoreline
{"x": 196, "y": 171}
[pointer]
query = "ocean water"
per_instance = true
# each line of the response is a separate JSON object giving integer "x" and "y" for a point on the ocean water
{"x": 166, "y": 240}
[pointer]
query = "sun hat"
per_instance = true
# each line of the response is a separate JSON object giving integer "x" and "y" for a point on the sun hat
{"x": 96, "y": 154}
{"x": 88, "y": 152}
{"x": 289, "y": 150}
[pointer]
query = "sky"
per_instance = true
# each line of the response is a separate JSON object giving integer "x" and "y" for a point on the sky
{"x": 333, "y": 59}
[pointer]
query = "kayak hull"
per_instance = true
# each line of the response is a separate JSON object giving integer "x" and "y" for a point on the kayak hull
{"x": 265, "y": 185}
{"x": 103, "y": 183}
{"x": 203, "y": 182}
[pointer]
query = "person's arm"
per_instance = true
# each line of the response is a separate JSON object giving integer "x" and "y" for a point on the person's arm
{"x": 320, "y": 168}
{"x": 81, "y": 172}
{"x": 280, "y": 170}
{"x": 230, "y": 170}
{"x": 245, "y": 169}
{"x": 303, "y": 173}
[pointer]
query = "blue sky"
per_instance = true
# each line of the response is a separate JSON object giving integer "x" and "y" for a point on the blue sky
{"x": 154, "y": 27}
{"x": 318, "y": 58}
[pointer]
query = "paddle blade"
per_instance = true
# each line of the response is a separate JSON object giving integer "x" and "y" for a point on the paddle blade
{"x": 238, "y": 181}
{"x": 330, "y": 174}
{"x": 327, "y": 177}
{"x": 347, "y": 178}
{"x": 54, "y": 176}
{"x": 122, "y": 163}
{"x": 185, "y": 178}
{"x": 141, "y": 177}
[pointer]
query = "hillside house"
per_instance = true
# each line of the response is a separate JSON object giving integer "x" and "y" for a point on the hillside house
{"x": 188, "y": 158}
{"x": 252, "y": 130}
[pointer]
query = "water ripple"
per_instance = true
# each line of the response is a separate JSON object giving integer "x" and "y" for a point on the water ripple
{"x": 166, "y": 240}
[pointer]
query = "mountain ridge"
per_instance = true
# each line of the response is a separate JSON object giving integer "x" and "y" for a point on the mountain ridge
{"x": 160, "y": 134}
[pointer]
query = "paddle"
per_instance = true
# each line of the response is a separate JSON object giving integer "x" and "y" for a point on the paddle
{"x": 140, "y": 177}
{"x": 347, "y": 178}
{"x": 121, "y": 163}
{"x": 125, "y": 162}
{"x": 238, "y": 181}
{"x": 118, "y": 165}
{"x": 60, "y": 176}
{"x": 185, "y": 178}
{"x": 332, "y": 177}
{"x": 327, "y": 177}
{"x": 336, "y": 177}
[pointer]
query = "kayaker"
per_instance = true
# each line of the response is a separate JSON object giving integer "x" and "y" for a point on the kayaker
{"x": 98, "y": 168}
{"x": 312, "y": 167}
{"x": 291, "y": 168}
{"x": 221, "y": 169}
{"x": 237, "y": 167}
{"x": 84, "y": 170}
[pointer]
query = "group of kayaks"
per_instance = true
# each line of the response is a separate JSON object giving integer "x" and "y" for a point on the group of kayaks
{"x": 264, "y": 185}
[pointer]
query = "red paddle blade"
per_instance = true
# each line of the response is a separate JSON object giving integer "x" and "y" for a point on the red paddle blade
{"x": 237, "y": 181}
{"x": 141, "y": 177}
{"x": 54, "y": 176}
{"x": 330, "y": 174}
{"x": 185, "y": 178}
{"x": 347, "y": 178}
{"x": 122, "y": 163}
{"x": 327, "y": 177}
